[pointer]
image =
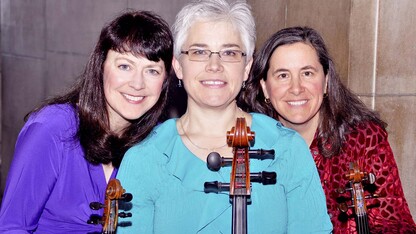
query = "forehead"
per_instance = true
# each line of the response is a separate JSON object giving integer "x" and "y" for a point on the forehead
{"x": 297, "y": 53}
{"x": 213, "y": 35}
{"x": 113, "y": 55}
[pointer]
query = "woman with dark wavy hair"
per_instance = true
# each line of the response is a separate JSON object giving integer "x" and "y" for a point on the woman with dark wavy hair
{"x": 294, "y": 80}
{"x": 72, "y": 145}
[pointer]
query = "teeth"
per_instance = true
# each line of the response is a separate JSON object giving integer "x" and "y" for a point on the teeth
{"x": 213, "y": 82}
{"x": 297, "y": 103}
{"x": 133, "y": 98}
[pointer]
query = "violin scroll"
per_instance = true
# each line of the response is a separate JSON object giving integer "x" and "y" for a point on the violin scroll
{"x": 240, "y": 138}
{"x": 113, "y": 194}
{"x": 357, "y": 182}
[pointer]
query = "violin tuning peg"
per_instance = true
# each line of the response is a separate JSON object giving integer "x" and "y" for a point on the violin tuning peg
{"x": 94, "y": 219}
{"x": 261, "y": 154}
{"x": 340, "y": 190}
{"x": 371, "y": 178}
{"x": 372, "y": 196}
{"x": 126, "y": 197}
{"x": 124, "y": 214}
{"x": 96, "y": 205}
{"x": 342, "y": 199}
{"x": 215, "y": 187}
{"x": 264, "y": 177}
{"x": 343, "y": 207}
{"x": 215, "y": 161}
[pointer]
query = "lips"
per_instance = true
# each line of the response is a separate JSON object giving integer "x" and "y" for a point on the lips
{"x": 133, "y": 98}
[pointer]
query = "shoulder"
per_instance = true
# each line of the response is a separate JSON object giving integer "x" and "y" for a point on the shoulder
{"x": 162, "y": 133}
{"x": 264, "y": 124}
{"x": 156, "y": 141}
{"x": 54, "y": 114}
{"x": 55, "y": 118}
{"x": 367, "y": 131}
{"x": 145, "y": 161}
{"x": 273, "y": 134}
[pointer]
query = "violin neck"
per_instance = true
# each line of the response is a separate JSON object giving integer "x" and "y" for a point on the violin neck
{"x": 239, "y": 219}
{"x": 111, "y": 218}
{"x": 362, "y": 224}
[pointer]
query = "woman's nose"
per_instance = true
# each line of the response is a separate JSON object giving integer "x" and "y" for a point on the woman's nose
{"x": 296, "y": 86}
{"x": 137, "y": 81}
{"x": 214, "y": 63}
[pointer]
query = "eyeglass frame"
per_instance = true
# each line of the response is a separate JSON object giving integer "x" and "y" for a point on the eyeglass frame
{"x": 213, "y": 52}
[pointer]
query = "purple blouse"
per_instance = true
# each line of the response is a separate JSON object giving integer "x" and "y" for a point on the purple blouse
{"x": 50, "y": 185}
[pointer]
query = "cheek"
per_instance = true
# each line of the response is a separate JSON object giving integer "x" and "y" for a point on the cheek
{"x": 275, "y": 91}
{"x": 317, "y": 88}
{"x": 113, "y": 80}
{"x": 106, "y": 85}
{"x": 155, "y": 86}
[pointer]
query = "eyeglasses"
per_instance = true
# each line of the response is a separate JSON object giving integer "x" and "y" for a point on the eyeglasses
{"x": 230, "y": 56}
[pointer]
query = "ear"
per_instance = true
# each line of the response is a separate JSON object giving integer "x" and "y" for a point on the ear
{"x": 264, "y": 88}
{"x": 247, "y": 69}
{"x": 177, "y": 67}
{"x": 326, "y": 84}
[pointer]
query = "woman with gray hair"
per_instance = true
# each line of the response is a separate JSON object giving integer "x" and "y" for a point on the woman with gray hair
{"x": 214, "y": 44}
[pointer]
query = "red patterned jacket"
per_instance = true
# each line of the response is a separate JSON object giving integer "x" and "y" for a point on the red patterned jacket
{"x": 368, "y": 146}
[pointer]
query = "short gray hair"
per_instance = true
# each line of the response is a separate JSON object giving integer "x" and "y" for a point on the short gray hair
{"x": 238, "y": 13}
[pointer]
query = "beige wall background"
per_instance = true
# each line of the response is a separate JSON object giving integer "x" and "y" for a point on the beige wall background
{"x": 373, "y": 43}
{"x": 45, "y": 44}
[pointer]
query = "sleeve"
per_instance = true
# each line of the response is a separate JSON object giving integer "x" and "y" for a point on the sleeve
{"x": 307, "y": 212}
{"x": 390, "y": 212}
{"x": 31, "y": 178}
{"x": 136, "y": 176}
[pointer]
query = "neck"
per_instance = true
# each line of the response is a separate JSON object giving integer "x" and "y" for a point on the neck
{"x": 108, "y": 170}
{"x": 204, "y": 130}
{"x": 214, "y": 121}
{"x": 307, "y": 130}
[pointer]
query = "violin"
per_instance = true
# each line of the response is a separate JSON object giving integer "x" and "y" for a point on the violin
{"x": 357, "y": 181}
{"x": 240, "y": 138}
{"x": 113, "y": 194}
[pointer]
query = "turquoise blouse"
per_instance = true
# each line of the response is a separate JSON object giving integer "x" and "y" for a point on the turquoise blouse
{"x": 167, "y": 184}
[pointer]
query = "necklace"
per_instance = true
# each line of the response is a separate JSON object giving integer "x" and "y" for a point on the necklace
{"x": 197, "y": 146}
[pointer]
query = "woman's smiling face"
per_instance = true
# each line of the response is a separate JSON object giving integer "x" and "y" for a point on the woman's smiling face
{"x": 212, "y": 83}
{"x": 295, "y": 84}
{"x": 132, "y": 86}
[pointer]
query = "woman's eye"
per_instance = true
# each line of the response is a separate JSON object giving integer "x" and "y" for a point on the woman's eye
{"x": 124, "y": 67}
{"x": 282, "y": 76}
{"x": 308, "y": 73}
{"x": 230, "y": 53}
{"x": 153, "y": 72}
{"x": 198, "y": 52}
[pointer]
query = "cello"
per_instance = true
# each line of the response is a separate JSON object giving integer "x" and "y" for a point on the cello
{"x": 240, "y": 137}
{"x": 113, "y": 194}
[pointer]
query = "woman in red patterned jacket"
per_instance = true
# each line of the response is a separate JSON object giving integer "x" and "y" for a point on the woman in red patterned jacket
{"x": 294, "y": 80}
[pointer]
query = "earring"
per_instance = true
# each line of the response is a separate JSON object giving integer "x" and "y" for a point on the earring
{"x": 243, "y": 85}
{"x": 325, "y": 95}
{"x": 267, "y": 100}
{"x": 179, "y": 83}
